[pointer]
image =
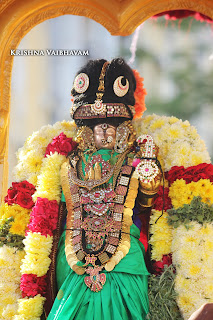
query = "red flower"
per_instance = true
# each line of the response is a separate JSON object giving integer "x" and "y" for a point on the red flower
{"x": 158, "y": 266}
{"x": 158, "y": 204}
{"x": 31, "y": 285}
{"x": 21, "y": 194}
{"x": 61, "y": 144}
{"x": 24, "y": 186}
{"x": 194, "y": 173}
{"x": 24, "y": 200}
{"x": 44, "y": 216}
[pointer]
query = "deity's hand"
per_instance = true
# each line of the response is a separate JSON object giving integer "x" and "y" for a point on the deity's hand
{"x": 149, "y": 174}
{"x": 151, "y": 187}
{"x": 204, "y": 313}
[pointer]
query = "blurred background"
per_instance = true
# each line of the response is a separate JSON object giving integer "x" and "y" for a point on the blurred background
{"x": 175, "y": 58}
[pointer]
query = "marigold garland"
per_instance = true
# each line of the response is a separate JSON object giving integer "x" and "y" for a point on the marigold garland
{"x": 139, "y": 95}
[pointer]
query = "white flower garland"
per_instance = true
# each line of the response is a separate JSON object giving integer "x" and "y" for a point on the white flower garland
{"x": 180, "y": 145}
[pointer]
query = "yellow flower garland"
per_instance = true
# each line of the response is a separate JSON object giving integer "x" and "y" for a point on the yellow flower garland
{"x": 182, "y": 193}
{"x": 161, "y": 235}
{"x": 31, "y": 165}
{"x": 37, "y": 246}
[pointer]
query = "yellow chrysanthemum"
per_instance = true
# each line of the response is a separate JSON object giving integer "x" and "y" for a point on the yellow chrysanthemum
{"x": 11, "y": 255}
{"x": 32, "y": 307}
{"x": 161, "y": 238}
{"x": 194, "y": 270}
{"x": 207, "y": 230}
{"x": 36, "y": 243}
{"x": 36, "y": 264}
{"x": 49, "y": 178}
{"x": 208, "y": 245}
{"x": 173, "y": 120}
{"x": 182, "y": 193}
{"x": 157, "y": 124}
{"x": 186, "y": 304}
{"x": 9, "y": 311}
{"x": 20, "y": 223}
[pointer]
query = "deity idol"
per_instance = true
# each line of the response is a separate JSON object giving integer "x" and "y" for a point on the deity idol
{"x": 107, "y": 181}
{"x": 74, "y": 226}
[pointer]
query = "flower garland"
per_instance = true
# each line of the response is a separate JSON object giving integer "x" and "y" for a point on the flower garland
{"x": 31, "y": 155}
{"x": 179, "y": 143}
{"x": 161, "y": 239}
{"x": 182, "y": 193}
{"x": 43, "y": 221}
{"x": 139, "y": 95}
{"x": 15, "y": 215}
{"x": 192, "y": 256}
{"x": 184, "y": 157}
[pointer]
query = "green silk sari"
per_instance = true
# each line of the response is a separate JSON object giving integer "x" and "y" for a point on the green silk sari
{"x": 124, "y": 295}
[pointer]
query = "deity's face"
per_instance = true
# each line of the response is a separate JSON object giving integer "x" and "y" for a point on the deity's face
{"x": 104, "y": 136}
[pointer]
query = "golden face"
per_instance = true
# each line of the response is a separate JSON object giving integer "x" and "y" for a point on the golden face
{"x": 104, "y": 136}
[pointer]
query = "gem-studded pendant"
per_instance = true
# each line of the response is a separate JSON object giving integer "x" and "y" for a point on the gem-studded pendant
{"x": 95, "y": 280}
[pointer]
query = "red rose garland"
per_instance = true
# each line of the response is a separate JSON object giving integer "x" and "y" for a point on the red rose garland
{"x": 158, "y": 204}
{"x": 193, "y": 173}
{"x": 31, "y": 285}
{"x": 21, "y": 193}
{"x": 44, "y": 216}
{"x": 61, "y": 144}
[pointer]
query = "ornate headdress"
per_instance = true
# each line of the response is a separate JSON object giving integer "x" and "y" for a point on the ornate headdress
{"x": 107, "y": 90}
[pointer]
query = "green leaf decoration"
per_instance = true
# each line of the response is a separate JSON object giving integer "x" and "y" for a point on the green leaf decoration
{"x": 195, "y": 211}
{"x": 11, "y": 240}
{"x": 162, "y": 296}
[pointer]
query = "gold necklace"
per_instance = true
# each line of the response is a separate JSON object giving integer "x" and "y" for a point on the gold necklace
{"x": 90, "y": 184}
{"x": 90, "y": 159}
